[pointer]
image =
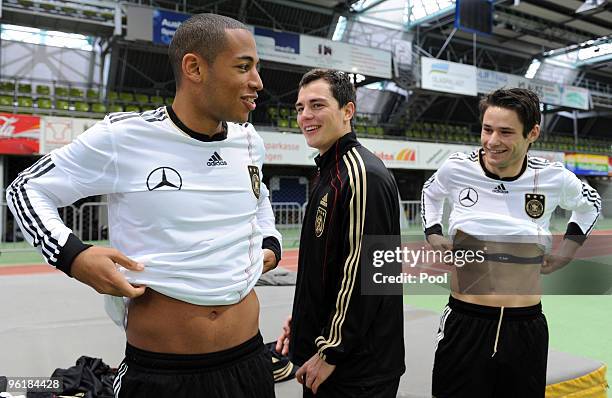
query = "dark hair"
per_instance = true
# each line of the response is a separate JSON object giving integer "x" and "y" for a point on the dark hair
{"x": 339, "y": 82}
{"x": 203, "y": 34}
{"x": 524, "y": 102}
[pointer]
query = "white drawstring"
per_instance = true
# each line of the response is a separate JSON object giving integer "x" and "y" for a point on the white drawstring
{"x": 501, "y": 315}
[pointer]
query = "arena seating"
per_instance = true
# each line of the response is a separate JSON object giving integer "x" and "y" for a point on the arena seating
{"x": 66, "y": 99}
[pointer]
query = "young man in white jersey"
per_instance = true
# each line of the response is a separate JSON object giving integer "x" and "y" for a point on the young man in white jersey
{"x": 493, "y": 336}
{"x": 188, "y": 214}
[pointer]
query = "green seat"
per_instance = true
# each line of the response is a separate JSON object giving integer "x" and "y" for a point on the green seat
{"x": 284, "y": 112}
{"x": 90, "y": 13}
{"x": 76, "y": 92}
{"x": 47, "y": 6}
{"x": 115, "y": 108}
{"x": 294, "y": 124}
{"x": 293, "y": 112}
{"x": 81, "y": 106}
{"x": 5, "y": 100}
{"x": 141, "y": 98}
{"x": 25, "y": 102}
{"x": 283, "y": 123}
{"x": 157, "y": 100}
{"x": 169, "y": 100}
{"x": 24, "y": 88}
{"x": 132, "y": 108}
{"x": 360, "y": 129}
{"x": 7, "y": 86}
{"x": 26, "y": 3}
{"x": 92, "y": 94}
{"x": 380, "y": 130}
{"x": 98, "y": 107}
{"x": 42, "y": 89}
{"x": 44, "y": 103}
{"x": 112, "y": 96}
{"x": 272, "y": 113}
{"x": 62, "y": 105}
{"x": 371, "y": 130}
{"x": 126, "y": 97}
{"x": 61, "y": 91}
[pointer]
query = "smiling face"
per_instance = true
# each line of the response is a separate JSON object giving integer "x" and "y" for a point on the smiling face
{"x": 320, "y": 117}
{"x": 503, "y": 142}
{"x": 231, "y": 82}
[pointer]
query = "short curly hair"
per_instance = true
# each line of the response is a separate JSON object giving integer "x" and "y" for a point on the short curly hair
{"x": 202, "y": 34}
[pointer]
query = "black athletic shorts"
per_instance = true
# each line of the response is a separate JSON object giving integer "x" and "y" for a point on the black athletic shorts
{"x": 474, "y": 360}
{"x": 243, "y": 371}
{"x": 333, "y": 389}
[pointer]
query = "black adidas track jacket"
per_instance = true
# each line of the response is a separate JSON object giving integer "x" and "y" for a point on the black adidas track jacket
{"x": 354, "y": 196}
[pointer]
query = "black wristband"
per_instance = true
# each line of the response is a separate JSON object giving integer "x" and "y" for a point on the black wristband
{"x": 68, "y": 253}
{"x": 435, "y": 229}
{"x": 574, "y": 232}
{"x": 271, "y": 243}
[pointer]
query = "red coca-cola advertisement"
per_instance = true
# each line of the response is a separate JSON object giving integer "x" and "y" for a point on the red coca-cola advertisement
{"x": 19, "y": 134}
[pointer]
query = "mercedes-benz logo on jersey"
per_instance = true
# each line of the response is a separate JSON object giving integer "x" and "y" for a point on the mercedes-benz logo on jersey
{"x": 468, "y": 197}
{"x": 164, "y": 179}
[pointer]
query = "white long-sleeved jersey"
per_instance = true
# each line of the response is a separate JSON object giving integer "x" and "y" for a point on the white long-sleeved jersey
{"x": 193, "y": 211}
{"x": 484, "y": 204}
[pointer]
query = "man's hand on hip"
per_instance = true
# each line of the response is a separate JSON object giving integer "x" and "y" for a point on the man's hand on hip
{"x": 439, "y": 242}
{"x": 314, "y": 372}
{"x": 96, "y": 267}
{"x": 269, "y": 260}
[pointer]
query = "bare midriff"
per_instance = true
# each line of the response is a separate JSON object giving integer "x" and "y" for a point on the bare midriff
{"x": 160, "y": 323}
{"x": 498, "y": 284}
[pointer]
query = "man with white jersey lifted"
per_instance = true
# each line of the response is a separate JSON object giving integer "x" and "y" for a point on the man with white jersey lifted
{"x": 493, "y": 337}
{"x": 188, "y": 217}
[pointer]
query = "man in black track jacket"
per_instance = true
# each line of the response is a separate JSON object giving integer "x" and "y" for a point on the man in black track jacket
{"x": 348, "y": 344}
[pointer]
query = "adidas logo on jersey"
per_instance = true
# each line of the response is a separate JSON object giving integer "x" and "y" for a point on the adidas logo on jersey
{"x": 216, "y": 160}
{"x": 500, "y": 189}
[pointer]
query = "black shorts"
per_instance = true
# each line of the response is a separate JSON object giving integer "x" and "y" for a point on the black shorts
{"x": 241, "y": 371}
{"x": 388, "y": 389}
{"x": 473, "y": 360}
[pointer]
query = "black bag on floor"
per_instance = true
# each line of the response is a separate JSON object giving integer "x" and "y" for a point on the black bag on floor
{"x": 89, "y": 378}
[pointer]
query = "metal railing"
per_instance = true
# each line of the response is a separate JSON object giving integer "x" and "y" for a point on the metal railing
{"x": 11, "y": 236}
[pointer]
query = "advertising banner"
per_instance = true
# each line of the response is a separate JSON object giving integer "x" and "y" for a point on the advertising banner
{"x": 587, "y": 164}
{"x": 19, "y": 134}
{"x": 296, "y": 49}
{"x": 59, "y": 131}
{"x": 448, "y": 77}
{"x": 287, "y": 149}
{"x": 293, "y": 48}
{"x": 165, "y": 24}
{"x": 291, "y": 149}
{"x": 549, "y": 92}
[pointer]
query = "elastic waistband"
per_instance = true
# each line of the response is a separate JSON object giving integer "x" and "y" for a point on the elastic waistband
{"x": 163, "y": 361}
{"x": 512, "y": 259}
{"x": 485, "y": 311}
